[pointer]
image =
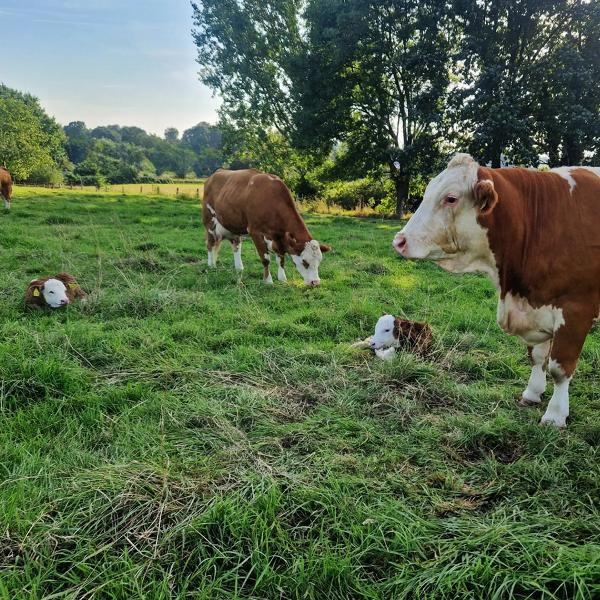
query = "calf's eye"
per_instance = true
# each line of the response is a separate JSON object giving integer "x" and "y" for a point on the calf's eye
{"x": 451, "y": 200}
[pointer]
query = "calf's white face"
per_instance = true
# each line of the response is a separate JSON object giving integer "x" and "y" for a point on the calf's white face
{"x": 444, "y": 228}
{"x": 384, "y": 333}
{"x": 308, "y": 261}
{"x": 55, "y": 293}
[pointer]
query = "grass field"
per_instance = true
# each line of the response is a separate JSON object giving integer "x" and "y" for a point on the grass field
{"x": 190, "y": 434}
{"x": 191, "y": 189}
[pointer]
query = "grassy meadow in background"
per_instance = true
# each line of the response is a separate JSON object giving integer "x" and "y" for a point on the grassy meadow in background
{"x": 188, "y": 433}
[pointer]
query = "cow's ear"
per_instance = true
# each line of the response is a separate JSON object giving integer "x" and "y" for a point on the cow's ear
{"x": 324, "y": 248}
{"x": 486, "y": 196}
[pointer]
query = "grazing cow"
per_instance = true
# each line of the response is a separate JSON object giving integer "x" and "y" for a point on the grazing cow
{"x": 537, "y": 235}
{"x": 6, "y": 184}
{"x": 250, "y": 202}
{"x": 53, "y": 291}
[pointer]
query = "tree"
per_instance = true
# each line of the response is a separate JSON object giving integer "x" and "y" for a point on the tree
{"x": 52, "y": 140}
{"x": 22, "y": 139}
{"x": 370, "y": 72}
{"x": 172, "y": 135}
{"x": 202, "y": 136}
{"x": 79, "y": 141}
{"x": 501, "y": 67}
{"x": 568, "y": 112}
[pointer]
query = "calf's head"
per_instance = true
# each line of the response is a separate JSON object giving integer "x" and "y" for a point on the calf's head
{"x": 445, "y": 228}
{"x": 386, "y": 332}
{"x": 53, "y": 291}
{"x": 307, "y": 257}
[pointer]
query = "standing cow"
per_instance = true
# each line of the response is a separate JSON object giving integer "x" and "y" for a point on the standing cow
{"x": 6, "y": 184}
{"x": 537, "y": 235}
{"x": 249, "y": 202}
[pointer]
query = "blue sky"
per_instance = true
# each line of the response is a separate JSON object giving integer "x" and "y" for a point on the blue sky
{"x": 129, "y": 62}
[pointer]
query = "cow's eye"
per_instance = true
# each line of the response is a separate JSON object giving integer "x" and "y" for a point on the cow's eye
{"x": 387, "y": 331}
{"x": 51, "y": 292}
{"x": 451, "y": 199}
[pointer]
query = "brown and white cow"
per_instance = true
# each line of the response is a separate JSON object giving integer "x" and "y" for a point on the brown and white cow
{"x": 250, "y": 202}
{"x": 537, "y": 235}
{"x": 6, "y": 184}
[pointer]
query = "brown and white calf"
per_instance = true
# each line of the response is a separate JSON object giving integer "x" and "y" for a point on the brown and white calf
{"x": 250, "y": 202}
{"x": 54, "y": 291}
{"x": 537, "y": 235}
{"x": 6, "y": 184}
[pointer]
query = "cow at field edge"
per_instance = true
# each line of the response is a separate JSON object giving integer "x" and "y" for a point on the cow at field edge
{"x": 537, "y": 235}
{"x": 250, "y": 202}
{"x": 6, "y": 184}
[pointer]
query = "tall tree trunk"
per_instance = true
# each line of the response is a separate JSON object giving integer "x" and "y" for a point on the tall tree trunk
{"x": 401, "y": 186}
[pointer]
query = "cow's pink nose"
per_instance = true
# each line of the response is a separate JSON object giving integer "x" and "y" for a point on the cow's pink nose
{"x": 400, "y": 242}
{"x": 64, "y": 301}
{"x": 315, "y": 283}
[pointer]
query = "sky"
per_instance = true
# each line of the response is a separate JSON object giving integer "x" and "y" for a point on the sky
{"x": 125, "y": 62}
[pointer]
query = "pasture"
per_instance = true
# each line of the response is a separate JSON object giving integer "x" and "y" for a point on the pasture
{"x": 187, "y": 433}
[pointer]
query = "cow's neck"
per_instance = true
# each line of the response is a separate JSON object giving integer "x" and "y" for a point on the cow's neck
{"x": 514, "y": 232}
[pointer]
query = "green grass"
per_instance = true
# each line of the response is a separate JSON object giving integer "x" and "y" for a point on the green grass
{"x": 190, "y": 434}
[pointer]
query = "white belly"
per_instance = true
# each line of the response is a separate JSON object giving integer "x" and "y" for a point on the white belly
{"x": 534, "y": 325}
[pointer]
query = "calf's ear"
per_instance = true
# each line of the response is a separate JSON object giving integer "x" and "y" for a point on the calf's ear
{"x": 486, "y": 196}
{"x": 324, "y": 248}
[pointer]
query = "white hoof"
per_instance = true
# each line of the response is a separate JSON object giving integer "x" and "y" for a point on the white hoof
{"x": 268, "y": 280}
{"x": 554, "y": 420}
{"x": 529, "y": 398}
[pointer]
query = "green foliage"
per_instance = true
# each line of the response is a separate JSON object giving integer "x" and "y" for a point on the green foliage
{"x": 358, "y": 193}
{"x": 188, "y": 433}
{"x": 22, "y": 139}
{"x": 46, "y": 175}
{"x": 52, "y": 140}
{"x": 130, "y": 154}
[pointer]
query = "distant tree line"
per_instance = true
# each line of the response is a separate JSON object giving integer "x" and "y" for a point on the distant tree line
{"x": 36, "y": 149}
{"x": 322, "y": 91}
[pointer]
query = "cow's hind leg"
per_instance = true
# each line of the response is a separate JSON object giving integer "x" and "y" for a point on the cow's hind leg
{"x": 6, "y": 193}
{"x": 566, "y": 347}
{"x": 263, "y": 253}
{"x": 212, "y": 245}
{"x": 536, "y": 386}
{"x": 236, "y": 244}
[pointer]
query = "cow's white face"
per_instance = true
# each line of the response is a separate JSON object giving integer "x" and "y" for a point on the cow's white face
{"x": 444, "y": 228}
{"x": 384, "y": 333}
{"x": 308, "y": 261}
{"x": 55, "y": 293}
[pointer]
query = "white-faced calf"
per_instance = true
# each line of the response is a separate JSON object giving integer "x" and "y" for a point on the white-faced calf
{"x": 393, "y": 332}
{"x": 249, "y": 202}
{"x": 53, "y": 291}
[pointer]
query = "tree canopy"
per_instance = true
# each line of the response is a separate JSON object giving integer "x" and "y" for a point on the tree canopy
{"x": 395, "y": 86}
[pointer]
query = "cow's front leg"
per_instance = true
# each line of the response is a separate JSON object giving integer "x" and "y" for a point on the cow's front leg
{"x": 263, "y": 253}
{"x": 566, "y": 347}
{"x": 236, "y": 244}
{"x": 280, "y": 271}
{"x": 536, "y": 386}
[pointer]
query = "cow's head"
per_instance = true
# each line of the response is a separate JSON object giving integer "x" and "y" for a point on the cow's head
{"x": 445, "y": 227}
{"x": 54, "y": 293}
{"x": 386, "y": 333}
{"x": 307, "y": 257}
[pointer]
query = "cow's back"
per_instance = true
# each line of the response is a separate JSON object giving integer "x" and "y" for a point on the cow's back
{"x": 248, "y": 198}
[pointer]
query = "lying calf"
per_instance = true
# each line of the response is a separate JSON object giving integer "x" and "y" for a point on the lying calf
{"x": 393, "y": 332}
{"x": 53, "y": 291}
